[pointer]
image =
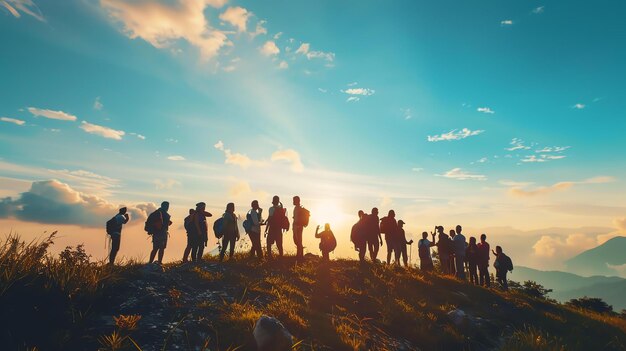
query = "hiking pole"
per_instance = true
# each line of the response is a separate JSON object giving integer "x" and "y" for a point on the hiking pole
{"x": 410, "y": 254}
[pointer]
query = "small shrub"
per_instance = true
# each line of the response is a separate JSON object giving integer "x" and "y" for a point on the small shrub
{"x": 594, "y": 304}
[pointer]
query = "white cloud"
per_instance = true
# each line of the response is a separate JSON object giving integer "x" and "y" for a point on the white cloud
{"x": 60, "y": 115}
{"x": 485, "y": 110}
{"x": 517, "y": 144}
{"x": 303, "y": 49}
{"x": 166, "y": 184}
{"x": 138, "y": 136}
{"x": 236, "y": 16}
{"x": 352, "y": 84}
{"x": 283, "y": 65}
{"x": 538, "y": 10}
{"x": 551, "y": 246}
{"x": 417, "y": 169}
{"x": 102, "y": 131}
{"x": 219, "y": 145}
{"x": 260, "y": 29}
{"x": 459, "y": 174}
{"x": 455, "y": 135}
{"x": 553, "y": 149}
{"x": 19, "y": 122}
{"x": 353, "y": 99}
{"x": 542, "y": 158}
{"x": 237, "y": 159}
{"x": 269, "y": 48}
{"x": 277, "y": 35}
{"x": 176, "y": 158}
{"x": 25, "y": 6}
{"x": 322, "y": 90}
{"x": 482, "y": 160}
{"x": 519, "y": 190}
{"x": 162, "y": 24}
{"x": 407, "y": 113}
{"x": 171, "y": 140}
{"x": 328, "y": 56}
{"x": 359, "y": 91}
{"x": 579, "y": 106}
{"x": 291, "y": 156}
{"x": 97, "y": 104}
{"x": 506, "y": 22}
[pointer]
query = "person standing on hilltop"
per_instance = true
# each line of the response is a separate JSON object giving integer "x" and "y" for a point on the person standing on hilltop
{"x": 452, "y": 260}
{"x": 157, "y": 225}
{"x": 202, "y": 229}
{"x": 256, "y": 219}
{"x": 483, "y": 261}
{"x": 230, "y": 231}
{"x": 114, "y": 229}
{"x": 358, "y": 238}
{"x": 328, "y": 242}
{"x": 300, "y": 220}
{"x": 471, "y": 259}
{"x": 277, "y": 221}
{"x": 423, "y": 248}
{"x": 459, "y": 244}
{"x": 374, "y": 239}
{"x": 401, "y": 244}
{"x": 444, "y": 250}
{"x": 389, "y": 227}
{"x": 503, "y": 265}
{"x": 192, "y": 236}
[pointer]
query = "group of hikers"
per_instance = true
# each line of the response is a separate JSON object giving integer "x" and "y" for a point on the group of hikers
{"x": 455, "y": 254}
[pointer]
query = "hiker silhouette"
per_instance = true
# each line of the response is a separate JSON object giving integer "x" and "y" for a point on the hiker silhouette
{"x": 483, "y": 261}
{"x": 503, "y": 265}
{"x": 255, "y": 217}
{"x": 459, "y": 246}
{"x": 328, "y": 242}
{"x": 471, "y": 259}
{"x": 358, "y": 236}
{"x": 298, "y": 226}
{"x": 401, "y": 245}
{"x": 389, "y": 227}
{"x": 230, "y": 231}
{"x": 114, "y": 230}
{"x": 374, "y": 239}
{"x": 276, "y": 222}
{"x": 423, "y": 247}
{"x": 158, "y": 224}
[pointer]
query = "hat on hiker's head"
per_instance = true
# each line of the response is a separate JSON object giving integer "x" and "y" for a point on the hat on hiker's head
{"x": 123, "y": 209}
{"x": 400, "y": 222}
{"x": 200, "y": 205}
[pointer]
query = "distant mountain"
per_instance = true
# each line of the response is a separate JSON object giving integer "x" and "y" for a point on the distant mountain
{"x": 566, "y": 286}
{"x": 598, "y": 261}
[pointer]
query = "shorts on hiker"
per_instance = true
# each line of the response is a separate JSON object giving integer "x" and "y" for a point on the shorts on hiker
{"x": 115, "y": 241}
{"x": 193, "y": 240}
{"x": 159, "y": 241}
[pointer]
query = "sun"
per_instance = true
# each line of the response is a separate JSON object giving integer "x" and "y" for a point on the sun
{"x": 328, "y": 211}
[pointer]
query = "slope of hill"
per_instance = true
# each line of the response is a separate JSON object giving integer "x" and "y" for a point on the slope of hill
{"x": 68, "y": 303}
{"x": 597, "y": 261}
{"x": 566, "y": 286}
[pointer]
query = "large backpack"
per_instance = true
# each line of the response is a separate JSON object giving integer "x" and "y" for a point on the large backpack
{"x": 189, "y": 224}
{"x": 279, "y": 218}
{"x": 218, "y": 227}
{"x": 508, "y": 263}
{"x": 154, "y": 223}
{"x": 332, "y": 244}
{"x": 385, "y": 225}
{"x": 112, "y": 226}
{"x": 248, "y": 223}
{"x": 305, "y": 216}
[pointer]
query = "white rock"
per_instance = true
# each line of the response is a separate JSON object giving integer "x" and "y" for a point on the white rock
{"x": 271, "y": 335}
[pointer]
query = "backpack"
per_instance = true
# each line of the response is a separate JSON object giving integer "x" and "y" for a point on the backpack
{"x": 112, "y": 226}
{"x": 304, "y": 216}
{"x": 333, "y": 243}
{"x": 218, "y": 227}
{"x": 279, "y": 218}
{"x": 508, "y": 263}
{"x": 189, "y": 224}
{"x": 153, "y": 224}
{"x": 247, "y": 224}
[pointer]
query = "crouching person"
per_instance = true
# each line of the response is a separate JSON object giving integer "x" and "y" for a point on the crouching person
{"x": 328, "y": 242}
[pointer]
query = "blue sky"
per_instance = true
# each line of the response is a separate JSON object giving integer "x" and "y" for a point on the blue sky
{"x": 487, "y": 113}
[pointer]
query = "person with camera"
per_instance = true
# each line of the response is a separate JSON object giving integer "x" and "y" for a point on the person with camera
{"x": 114, "y": 229}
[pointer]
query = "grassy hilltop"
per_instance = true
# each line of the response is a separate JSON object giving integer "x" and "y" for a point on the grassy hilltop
{"x": 69, "y": 303}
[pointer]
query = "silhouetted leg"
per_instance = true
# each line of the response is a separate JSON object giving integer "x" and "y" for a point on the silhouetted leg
{"x": 389, "y": 250}
{"x": 362, "y": 251}
{"x": 186, "y": 253}
{"x": 405, "y": 258}
{"x": 460, "y": 267}
{"x": 153, "y": 254}
{"x": 115, "y": 247}
{"x": 376, "y": 248}
{"x": 223, "y": 249}
{"x": 233, "y": 241}
{"x": 297, "y": 239}
{"x": 161, "y": 253}
{"x": 270, "y": 241}
{"x": 326, "y": 255}
{"x": 279, "y": 244}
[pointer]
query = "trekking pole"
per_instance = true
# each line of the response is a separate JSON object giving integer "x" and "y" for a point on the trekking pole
{"x": 410, "y": 254}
